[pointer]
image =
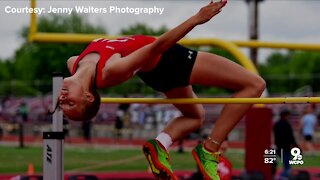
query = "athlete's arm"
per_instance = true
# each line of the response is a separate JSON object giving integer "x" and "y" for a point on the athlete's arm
{"x": 126, "y": 66}
{"x": 169, "y": 38}
{"x": 70, "y": 62}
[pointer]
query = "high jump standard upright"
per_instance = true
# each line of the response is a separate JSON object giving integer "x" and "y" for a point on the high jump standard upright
{"x": 53, "y": 140}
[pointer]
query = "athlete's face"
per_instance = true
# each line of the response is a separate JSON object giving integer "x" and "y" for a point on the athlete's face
{"x": 71, "y": 98}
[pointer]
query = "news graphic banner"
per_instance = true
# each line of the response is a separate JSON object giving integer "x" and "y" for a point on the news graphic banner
{"x": 271, "y": 156}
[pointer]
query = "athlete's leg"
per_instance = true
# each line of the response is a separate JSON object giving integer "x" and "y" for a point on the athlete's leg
{"x": 191, "y": 119}
{"x": 192, "y": 114}
{"x": 214, "y": 70}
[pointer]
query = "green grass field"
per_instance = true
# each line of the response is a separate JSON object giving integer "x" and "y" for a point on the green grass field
{"x": 103, "y": 159}
{"x": 80, "y": 159}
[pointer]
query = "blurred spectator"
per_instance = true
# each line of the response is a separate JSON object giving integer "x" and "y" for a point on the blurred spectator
{"x": 119, "y": 124}
{"x": 124, "y": 107}
{"x": 141, "y": 114}
{"x": 158, "y": 115}
{"x": 149, "y": 119}
{"x": 86, "y": 128}
{"x": 23, "y": 111}
{"x": 284, "y": 141}
{"x": 122, "y": 118}
{"x": 134, "y": 114}
{"x": 180, "y": 146}
{"x": 308, "y": 124}
{"x": 125, "y": 113}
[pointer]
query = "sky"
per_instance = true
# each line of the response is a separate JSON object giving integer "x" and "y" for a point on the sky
{"x": 279, "y": 20}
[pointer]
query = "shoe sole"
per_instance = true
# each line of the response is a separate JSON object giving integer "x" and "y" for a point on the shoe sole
{"x": 158, "y": 170}
{"x": 197, "y": 159}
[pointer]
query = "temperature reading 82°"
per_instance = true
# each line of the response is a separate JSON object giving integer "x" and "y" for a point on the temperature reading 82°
{"x": 270, "y": 156}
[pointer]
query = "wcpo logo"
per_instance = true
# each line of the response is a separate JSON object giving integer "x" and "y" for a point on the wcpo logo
{"x": 297, "y": 157}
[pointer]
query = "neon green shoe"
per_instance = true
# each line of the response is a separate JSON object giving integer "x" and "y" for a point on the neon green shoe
{"x": 159, "y": 160}
{"x": 207, "y": 162}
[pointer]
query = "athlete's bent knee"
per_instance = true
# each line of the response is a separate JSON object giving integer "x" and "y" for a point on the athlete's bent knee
{"x": 258, "y": 85}
{"x": 199, "y": 118}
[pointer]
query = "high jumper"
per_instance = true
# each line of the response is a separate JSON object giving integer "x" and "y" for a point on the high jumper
{"x": 169, "y": 68}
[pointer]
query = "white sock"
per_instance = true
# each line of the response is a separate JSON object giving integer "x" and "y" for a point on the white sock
{"x": 164, "y": 139}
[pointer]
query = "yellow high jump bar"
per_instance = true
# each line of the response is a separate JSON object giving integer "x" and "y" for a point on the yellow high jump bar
{"x": 277, "y": 100}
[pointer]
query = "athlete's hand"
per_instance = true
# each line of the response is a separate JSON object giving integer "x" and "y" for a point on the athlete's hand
{"x": 209, "y": 11}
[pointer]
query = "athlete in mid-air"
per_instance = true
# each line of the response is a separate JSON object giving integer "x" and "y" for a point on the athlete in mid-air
{"x": 169, "y": 68}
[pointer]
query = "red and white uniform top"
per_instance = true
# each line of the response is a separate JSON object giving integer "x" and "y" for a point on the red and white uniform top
{"x": 106, "y": 48}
